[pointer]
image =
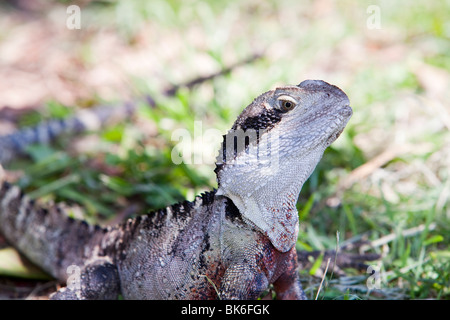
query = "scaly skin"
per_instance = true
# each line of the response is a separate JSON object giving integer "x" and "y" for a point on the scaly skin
{"x": 231, "y": 243}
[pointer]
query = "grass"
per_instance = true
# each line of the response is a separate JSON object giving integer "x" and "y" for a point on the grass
{"x": 399, "y": 112}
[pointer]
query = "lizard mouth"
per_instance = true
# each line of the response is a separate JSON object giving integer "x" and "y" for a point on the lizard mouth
{"x": 345, "y": 114}
{"x": 334, "y": 136}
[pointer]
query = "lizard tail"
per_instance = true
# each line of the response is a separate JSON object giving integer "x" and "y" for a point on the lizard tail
{"x": 47, "y": 237}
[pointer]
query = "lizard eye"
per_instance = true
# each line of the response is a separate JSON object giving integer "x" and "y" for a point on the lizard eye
{"x": 287, "y": 105}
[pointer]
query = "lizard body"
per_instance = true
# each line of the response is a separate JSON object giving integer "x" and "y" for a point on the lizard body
{"x": 230, "y": 243}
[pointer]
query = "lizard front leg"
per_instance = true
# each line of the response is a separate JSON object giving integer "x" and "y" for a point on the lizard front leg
{"x": 96, "y": 281}
{"x": 287, "y": 286}
{"x": 242, "y": 282}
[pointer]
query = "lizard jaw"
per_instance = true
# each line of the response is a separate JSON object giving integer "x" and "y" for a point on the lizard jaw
{"x": 346, "y": 112}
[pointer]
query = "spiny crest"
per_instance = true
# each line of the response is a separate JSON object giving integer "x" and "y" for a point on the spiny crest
{"x": 179, "y": 211}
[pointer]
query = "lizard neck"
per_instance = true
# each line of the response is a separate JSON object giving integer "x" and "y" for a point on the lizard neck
{"x": 267, "y": 199}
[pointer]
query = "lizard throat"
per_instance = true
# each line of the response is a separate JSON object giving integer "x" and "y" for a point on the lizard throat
{"x": 267, "y": 200}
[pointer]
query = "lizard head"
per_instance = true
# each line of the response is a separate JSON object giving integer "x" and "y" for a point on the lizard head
{"x": 272, "y": 149}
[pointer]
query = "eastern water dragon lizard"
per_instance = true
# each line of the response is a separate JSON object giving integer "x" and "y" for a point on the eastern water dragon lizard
{"x": 230, "y": 243}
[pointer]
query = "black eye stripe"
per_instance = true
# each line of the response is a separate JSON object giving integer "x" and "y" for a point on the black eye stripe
{"x": 267, "y": 119}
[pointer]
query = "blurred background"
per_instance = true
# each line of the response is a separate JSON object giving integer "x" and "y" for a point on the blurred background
{"x": 383, "y": 186}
